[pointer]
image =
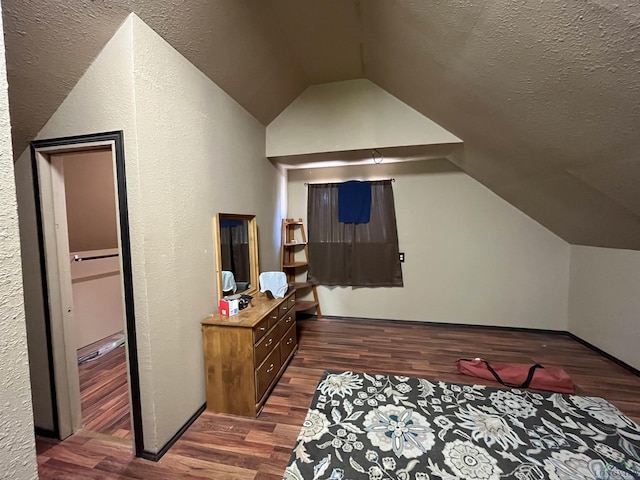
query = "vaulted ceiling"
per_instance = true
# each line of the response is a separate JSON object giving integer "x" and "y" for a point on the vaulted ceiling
{"x": 545, "y": 95}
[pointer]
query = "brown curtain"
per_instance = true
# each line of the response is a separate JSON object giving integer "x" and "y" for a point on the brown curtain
{"x": 362, "y": 254}
{"x": 234, "y": 249}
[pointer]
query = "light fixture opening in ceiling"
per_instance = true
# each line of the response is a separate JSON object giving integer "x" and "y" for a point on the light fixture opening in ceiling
{"x": 375, "y": 152}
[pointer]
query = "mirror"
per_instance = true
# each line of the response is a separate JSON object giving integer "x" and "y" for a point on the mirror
{"x": 236, "y": 253}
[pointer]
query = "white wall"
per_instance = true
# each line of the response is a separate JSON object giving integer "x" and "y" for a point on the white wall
{"x": 97, "y": 296}
{"x": 101, "y": 101}
{"x": 604, "y": 300}
{"x": 17, "y": 446}
{"x": 199, "y": 153}
{"x": 349, "y": 115}
{"x": 470, "y": 257}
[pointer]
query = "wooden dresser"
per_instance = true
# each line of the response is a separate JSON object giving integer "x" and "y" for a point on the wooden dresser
{"x": 246, "y": 354}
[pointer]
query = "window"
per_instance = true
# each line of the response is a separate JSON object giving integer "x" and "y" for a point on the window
{"x": 355, "y": 254}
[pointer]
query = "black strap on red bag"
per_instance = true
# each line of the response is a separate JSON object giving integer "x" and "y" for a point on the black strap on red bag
{"x": 524, "y": 384}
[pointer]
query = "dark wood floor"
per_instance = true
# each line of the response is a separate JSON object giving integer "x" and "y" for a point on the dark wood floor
{"x": 103, "y": 395}
{"x": 226, "y": 447}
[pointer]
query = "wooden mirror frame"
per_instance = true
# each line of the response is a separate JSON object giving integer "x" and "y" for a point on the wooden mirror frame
{"x": 254, "y": 267}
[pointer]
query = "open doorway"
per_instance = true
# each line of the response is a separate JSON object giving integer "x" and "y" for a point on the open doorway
{"x": 85, "y": 254}
{"x": 96, "y": 285}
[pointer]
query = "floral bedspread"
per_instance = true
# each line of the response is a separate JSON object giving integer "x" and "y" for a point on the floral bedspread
{"x": 377, "y": 427}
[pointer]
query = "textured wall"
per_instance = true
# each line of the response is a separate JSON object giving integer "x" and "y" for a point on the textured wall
{"x": 101, "y": 101}
{"x": 351, "y": 115}
{"x": 199, "y": 153}
{"x": 604, "y": 300}
{"x": 17, "y": 447}
{"x": 191, "y": 151}
{"x": 470, "y": 257}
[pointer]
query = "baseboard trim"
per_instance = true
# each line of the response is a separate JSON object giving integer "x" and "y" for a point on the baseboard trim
{"x": 608, "y": 356}
{"x": 443, "y": 324}
{"x": 154, "y": 457}
{"x": 615, "y": 360}
{"x": 43, "y": 432}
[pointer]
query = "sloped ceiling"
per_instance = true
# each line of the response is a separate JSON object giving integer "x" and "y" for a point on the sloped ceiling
{"x": 545, "y": 95}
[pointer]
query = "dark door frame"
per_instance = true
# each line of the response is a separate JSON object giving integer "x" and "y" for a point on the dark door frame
{"x": 117, "y": 138}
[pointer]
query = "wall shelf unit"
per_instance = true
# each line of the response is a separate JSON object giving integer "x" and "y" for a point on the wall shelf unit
{"x": 294, "y": 261}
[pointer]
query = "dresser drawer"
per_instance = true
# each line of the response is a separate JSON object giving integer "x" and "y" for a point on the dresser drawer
{"x": 288, "y": 320}
{"x": 267, "y": 372}
{"x": 274, "y": 316}
{"x": 291, "y": 303}
{"x": 283, "y": 325}
{"x": 288, "y": 343}
{"x": 260, "y": 329}
{"x": 266, "y": 344}
{"x": 283, "y": 308}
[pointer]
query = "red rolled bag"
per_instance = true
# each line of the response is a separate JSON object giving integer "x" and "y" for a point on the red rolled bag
{"x": 518, "y": 375}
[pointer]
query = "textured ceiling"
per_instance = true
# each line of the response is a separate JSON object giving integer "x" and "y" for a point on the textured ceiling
{"x": 546, "y": 95}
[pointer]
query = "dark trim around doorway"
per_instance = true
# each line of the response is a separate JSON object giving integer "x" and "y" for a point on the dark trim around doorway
{"x": 125, "y": 240}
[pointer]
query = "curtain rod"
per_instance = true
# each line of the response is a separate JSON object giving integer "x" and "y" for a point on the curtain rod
{"x": 392, "y": 179}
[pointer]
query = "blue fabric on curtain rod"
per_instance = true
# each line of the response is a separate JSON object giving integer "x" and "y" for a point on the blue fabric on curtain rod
{"x": 354, "y": 202}
{"x": 230, "y": 223}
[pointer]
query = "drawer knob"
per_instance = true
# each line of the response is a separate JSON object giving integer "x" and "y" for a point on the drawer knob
{"x": 288, "y": 320}
{"x": 262, "y": 329}
{"x": 290, "y": 341}
{"x": 269, "y": 342}
{"x": 270, "y": 368}
{"x": 284, "y": 307}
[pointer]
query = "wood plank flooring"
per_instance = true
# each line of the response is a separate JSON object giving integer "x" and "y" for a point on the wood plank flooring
{"x": 103, "y": 395}
{"x": 226, "y": 447}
